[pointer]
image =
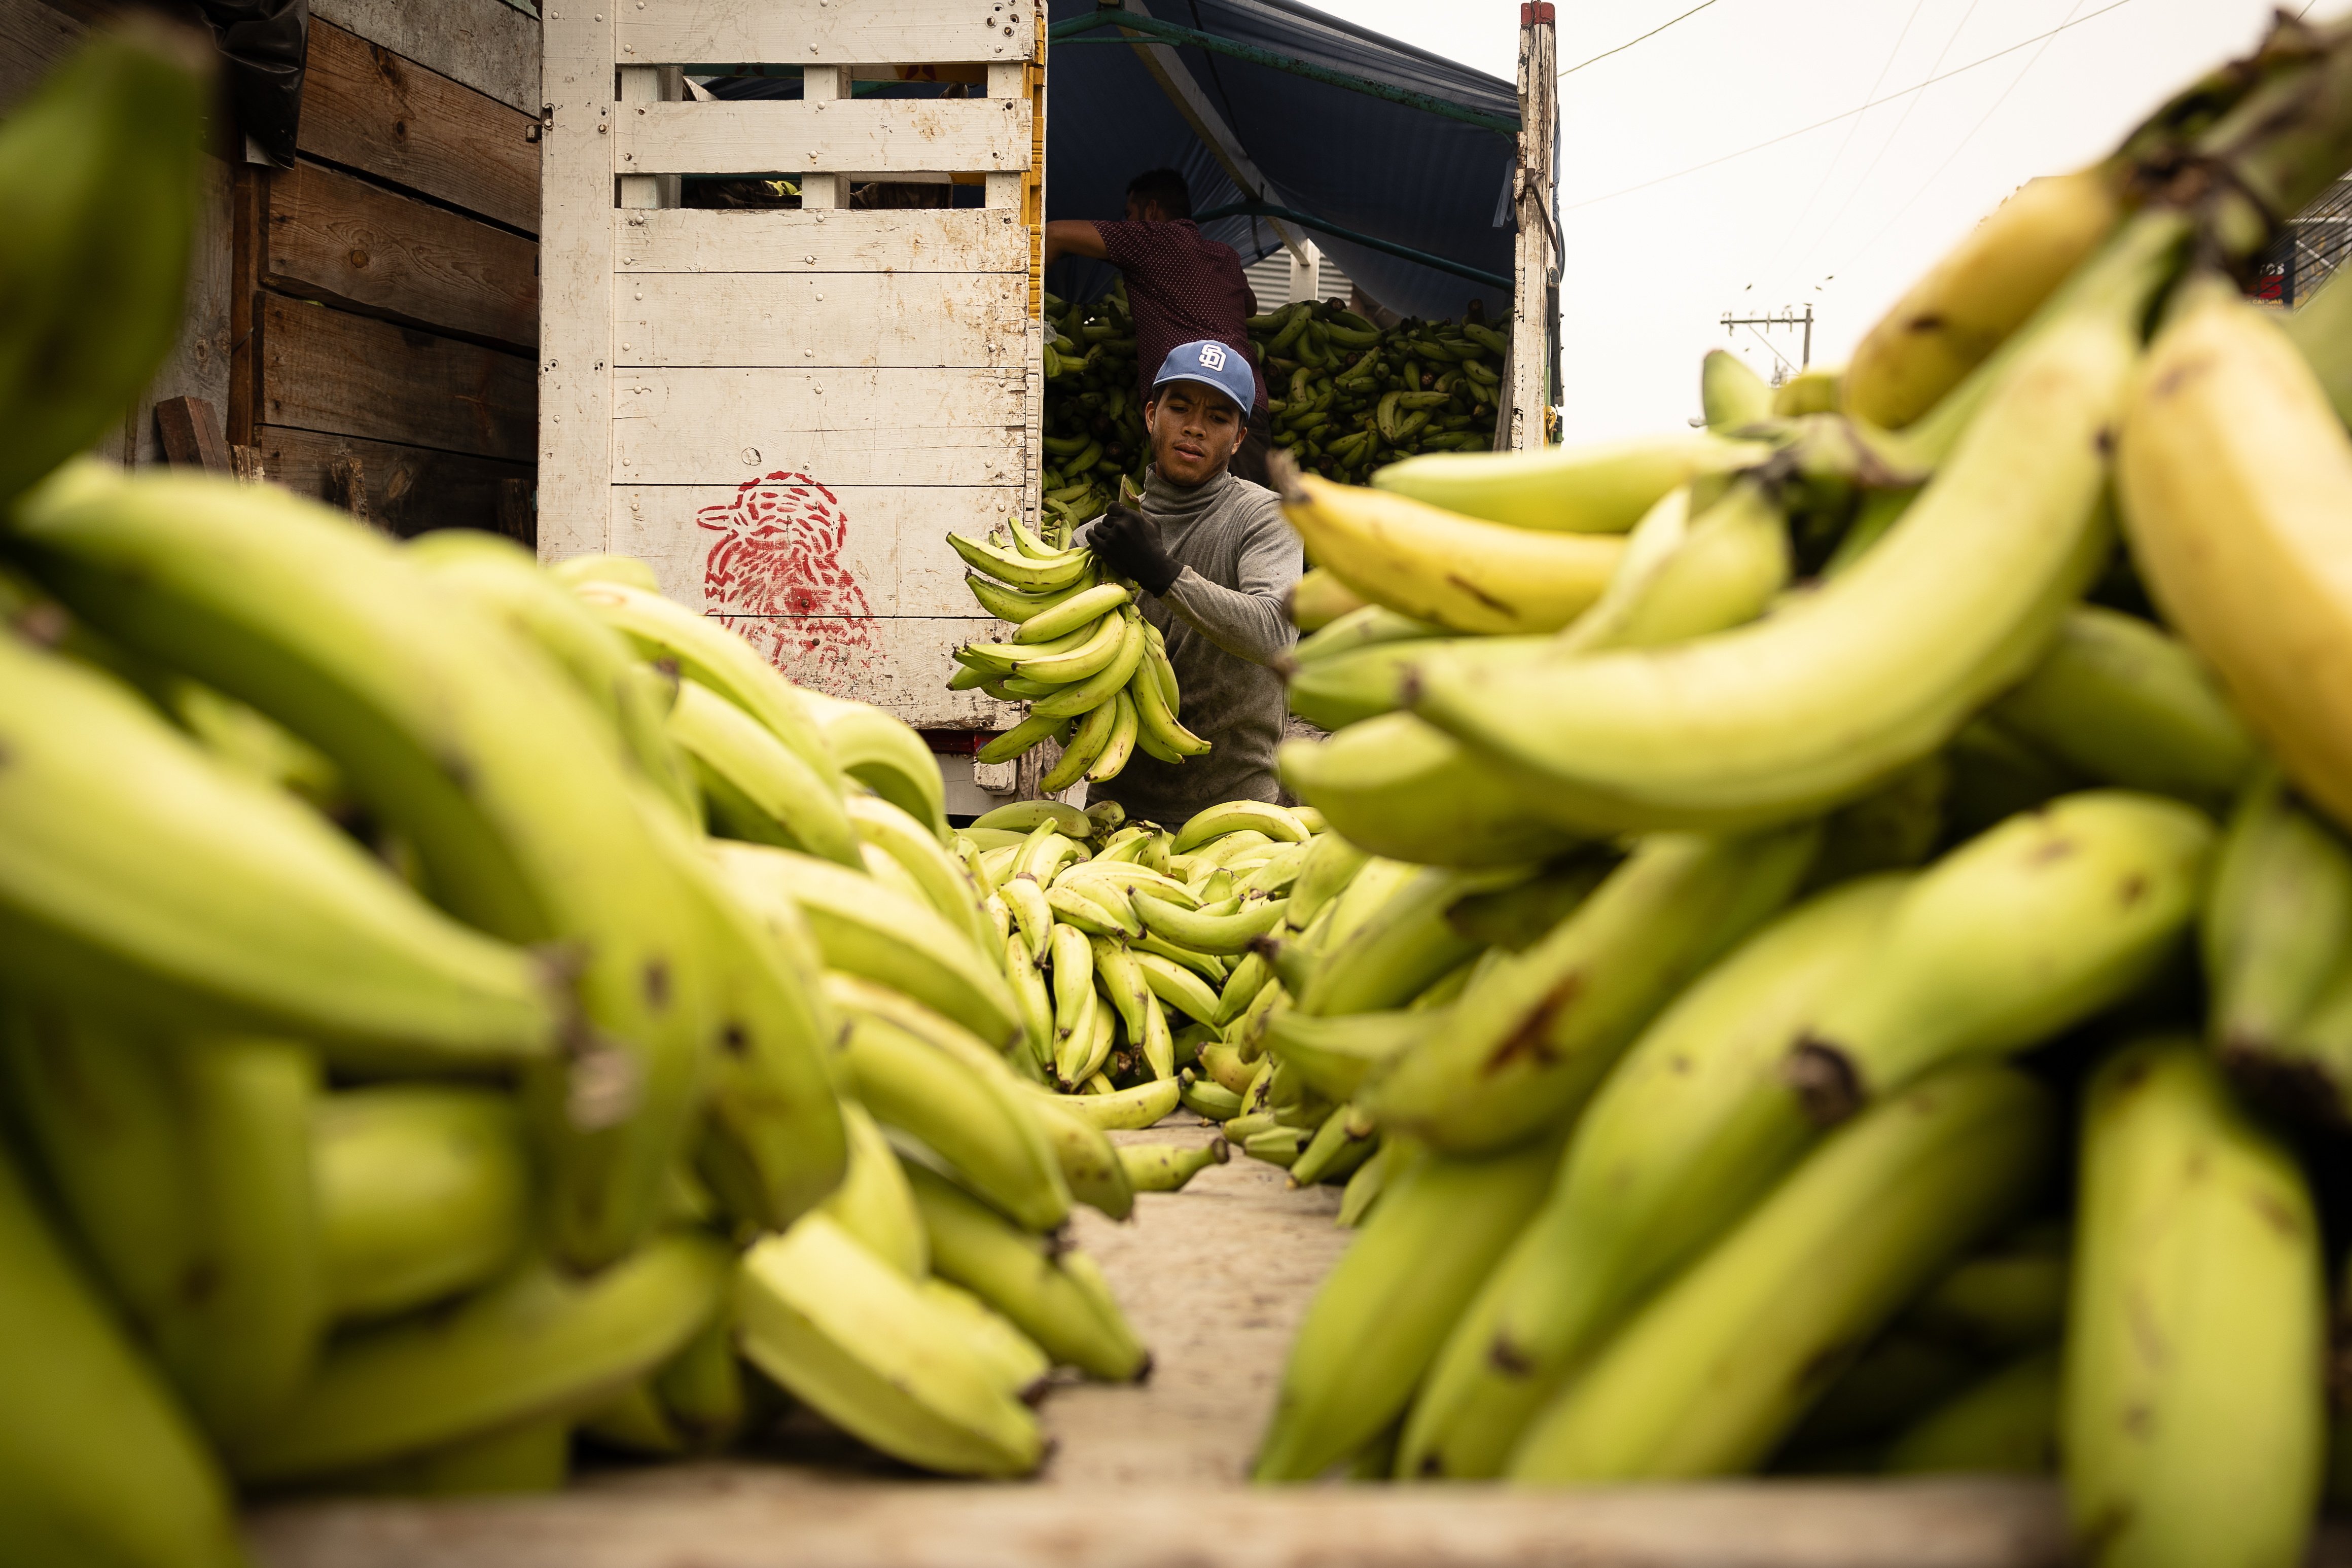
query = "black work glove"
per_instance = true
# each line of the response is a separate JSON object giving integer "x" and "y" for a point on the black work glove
{"x": 1127, "y": 542}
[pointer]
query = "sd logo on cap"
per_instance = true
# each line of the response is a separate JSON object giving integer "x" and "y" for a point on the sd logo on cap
{"x": 1210, "y": 364}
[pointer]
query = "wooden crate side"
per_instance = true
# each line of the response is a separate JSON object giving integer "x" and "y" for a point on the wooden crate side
{"x": 33, "y": 39}
{"x": 923, "y": 239}
{"x": 787, "y": 543}
{"x": 375, "y": 111}
{"x": 341, "y": 374}
{"x": 410, "y": 489}
{"x": 576, "y": 251}
{"x": 844, "y": 427}
{"x": 692, "y": 32}
{"x": 925, "y": 318}
{"x": 486, "y": 45}
{"x": 789, "y": 138}
{"x": 331, "y": 237}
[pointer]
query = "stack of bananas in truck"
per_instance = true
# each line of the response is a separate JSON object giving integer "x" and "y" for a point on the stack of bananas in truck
{"x": 449, "y": 1009}
{"x": 1347, "y": 396}
{"x": 1843, "y": 955}
{"x": 1094, "y": 411}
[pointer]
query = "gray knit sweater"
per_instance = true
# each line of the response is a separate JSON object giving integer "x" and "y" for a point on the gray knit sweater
{"x": 1223, "y": 621}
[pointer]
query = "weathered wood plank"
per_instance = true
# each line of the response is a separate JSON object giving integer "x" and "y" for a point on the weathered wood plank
{"x": 330, "y": 370}
{"x": 489, "y": 46}
{"x": 189, "y": 430}
{"x": 920, "y": 239}
{"x": 784, "y": 137}
{"x": 576, "y": 251}
{"x": 340, "y": 240}
{"x": 198, "y": 364}
{"x": 842, "y": 428}
{"x": 379, "y": 113}
{"x": 688, "y": 32}
{"x": 410, "y": 489}
{"x": 861, "y": 549}
{"x": 33, "y": 38}
{"x": 966, "y": 320}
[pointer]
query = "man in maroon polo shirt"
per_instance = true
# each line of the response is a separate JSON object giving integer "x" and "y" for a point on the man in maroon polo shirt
{"x": 1182, "y": 287}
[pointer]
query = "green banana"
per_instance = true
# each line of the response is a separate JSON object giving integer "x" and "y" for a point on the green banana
{"x": 866, "y": 1348}
{"x": 1590, "y": 490}
{"x": 1731, "y": 395}
{"x": 1020, "y": 1277}
{"x": 945, "y": 883}
{"x": 2192, "y": 1414}
{"x": 1176, "y": 985}
{"x": 142, "y": 871}
{"x": 539, "y": 1344}
{"x": 101, "y": 172}
{"x": 458, "y": 736}
{"x": 757, "y": 787}
{"x": 884, "y": 754}
{"x": 1720, "y": 1364}
{"x": 1239, "y": 817}
{"x": 597, "y": 566}
{"x": 1790, "y": 716}
{"x": 874, "y": 1206}
{"x": 1400, "y": 788}
{"x": 2120, "y": 701}
{"x": 1026, "y": 816}
{"x": 2274, "y": 932}
{"x": 1167, "y": 1167}
{"x": 1516, "y": 1058}
{"x": 1128, "y": 1109}
{"x": 864, "y": 929}
{"x": 1068, "y": 614}
{"x": 422, "y": 1191}
{"x": 1090, "y": 1161}
{"x": 1345, "y": 1141}
{"x": 1202, "y": 932}
{"x": 1721, "y": 570}
{"x": 2005, "y": 1425}
{"x": 1020, "y": 571}
{"x": 2016, "y": 935}
{"x": 1019, "y": 1366}
{"x": 1384, "y": 1309}
{"x": 85, "y": 1411}
{"x": 1398, "y": 950}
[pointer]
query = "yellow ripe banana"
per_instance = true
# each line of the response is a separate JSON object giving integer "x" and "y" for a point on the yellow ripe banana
{"x": 1461, "y": 573}
{"x": 1019, "y": 1276}
{"x": 1572, "y": 489}
{"x": 1832, "y": 694}
{"x": 757, "y": 787}
{"x": 1384, "y": 1309}
{"x": 2192, "y": 1412}
{"x": 424, "y": 1190}
{"x": 871, "y": 1352}
{"x": 1516, "y": 1059}
{"x": 1983, "y": 290}
{"x": 1720, "y": 1364}
{"x": 2235, "y": 477}
{"x": 541, "y": 1343}
{"x": 2018, "y": 934}
{"x": 2121, "y": 702}
{"x": 98, "y": 1464}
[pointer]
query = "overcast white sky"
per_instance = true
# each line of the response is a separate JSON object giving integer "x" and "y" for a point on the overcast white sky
{"x": 1841, "y": 217}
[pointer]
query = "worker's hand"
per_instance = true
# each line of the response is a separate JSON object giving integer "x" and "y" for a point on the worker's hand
{"x": 1127, "y": 542}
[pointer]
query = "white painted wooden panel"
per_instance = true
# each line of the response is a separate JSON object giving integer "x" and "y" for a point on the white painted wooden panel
{"x": 786, "y": 541}
{"x": 844, "y": 427}
{"x": 928, "y": 319}
{"x": 963, "y": 136}
{"x": 575, "y": 377}
{"x": 922, "y": 239}
{"x": 826, "y": 32}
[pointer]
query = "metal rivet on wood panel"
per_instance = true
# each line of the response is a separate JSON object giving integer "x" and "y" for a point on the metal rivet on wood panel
{"x": 625, "y": 347}
{"x": 630, "y": 49}
{"x": 750, "y": 457}
{"x": 820, "y": 389}
{"x": 820, "y": 298}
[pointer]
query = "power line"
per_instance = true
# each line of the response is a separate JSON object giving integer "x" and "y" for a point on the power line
{"x": 1839, "y": 156}
{"x": 1629, "y": 43}
{"x": 1905, "y": 119}
{"x": 1920, "y": 189}
{"x": 1834, "y": 119}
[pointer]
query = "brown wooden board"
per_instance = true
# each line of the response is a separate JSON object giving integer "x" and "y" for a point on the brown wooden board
{"x": 334, "y": 238}
{"x": 329, "y": 371}
{"x": 486, "y": 44}
{"x": 410, "y": 489}
{"x": 372, "y": 110}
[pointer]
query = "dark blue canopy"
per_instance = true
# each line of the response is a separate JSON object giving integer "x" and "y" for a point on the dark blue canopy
{"x": 1383, "y": 169}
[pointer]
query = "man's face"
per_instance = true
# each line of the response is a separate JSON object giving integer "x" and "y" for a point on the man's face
{"x": 1194, "y": 431}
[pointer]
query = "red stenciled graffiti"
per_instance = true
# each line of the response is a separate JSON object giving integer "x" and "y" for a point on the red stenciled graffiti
{"x": 774, "y": 575}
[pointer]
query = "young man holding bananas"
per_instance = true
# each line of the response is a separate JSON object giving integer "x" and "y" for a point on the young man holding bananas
{"x": 1214, "y": 559}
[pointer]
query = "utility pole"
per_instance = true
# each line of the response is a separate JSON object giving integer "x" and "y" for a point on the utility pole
{"x": 1787, "y": 318}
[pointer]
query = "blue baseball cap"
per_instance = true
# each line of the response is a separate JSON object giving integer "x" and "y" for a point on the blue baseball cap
{"x": 1212, "y": 364}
